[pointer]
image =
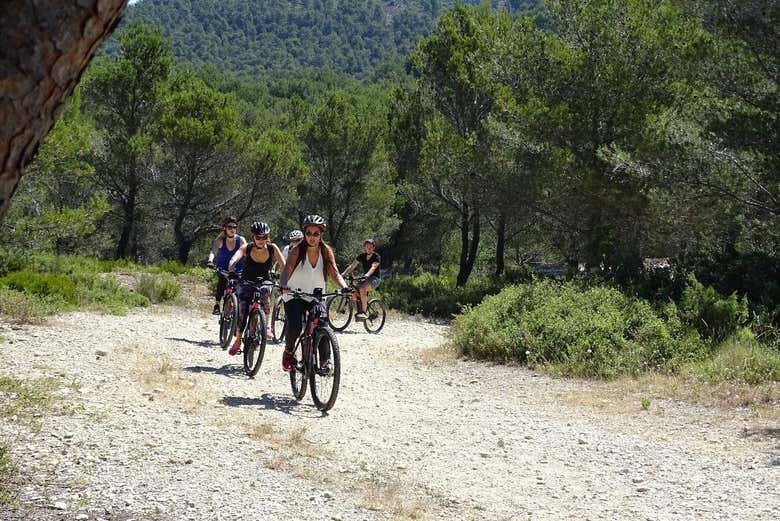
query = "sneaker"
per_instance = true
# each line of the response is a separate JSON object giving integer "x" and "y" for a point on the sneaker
{"x": 360, "y": 317}
{"x": 287, "y": 361}
{"x": 326, "y": 368}
{"x": 215, "y": 311}
{"x": 235, "y": 348}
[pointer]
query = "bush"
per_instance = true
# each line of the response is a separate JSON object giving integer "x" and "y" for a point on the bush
{"x": 173, "y": 267}
{"x": 158, "y": 288}
{"x": 433, "y": 295}
{"x": 579, "y": 331}
{"x": 41, "y": 284}
{"x": 741, "y": 361}
{"x": 714, "y": 316}
{"x": 28, "y": 309}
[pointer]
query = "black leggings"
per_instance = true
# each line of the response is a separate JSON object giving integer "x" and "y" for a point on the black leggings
{"x": 294, "y": 310}
{"x": 222, "y": 283}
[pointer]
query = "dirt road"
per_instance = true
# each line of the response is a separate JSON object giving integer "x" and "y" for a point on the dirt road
{"x": 158, "y": 423}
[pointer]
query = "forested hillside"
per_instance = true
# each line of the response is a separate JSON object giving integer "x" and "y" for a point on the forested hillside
{"x": 254, "y": 35}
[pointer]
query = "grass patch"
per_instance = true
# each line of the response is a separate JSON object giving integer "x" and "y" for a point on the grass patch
{"x": 22, "y": 308}
{"x": 22, "y": 399}
{"x": 738, "y": 361}
{"x": 394, "y": 497}
{"x": 158, "y": 287}
{"x": 7, "y": 473}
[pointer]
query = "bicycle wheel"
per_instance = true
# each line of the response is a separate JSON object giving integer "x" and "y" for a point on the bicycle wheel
{"x": 278, "y": 321}
{"x": 227, "y": 320}
{"x": 254, "y": 342}
{"x": 298, "y": 373}
{"x": 339, "y": 312}
{"x": 324, "y": 378}
{"x": 376, "y": 312}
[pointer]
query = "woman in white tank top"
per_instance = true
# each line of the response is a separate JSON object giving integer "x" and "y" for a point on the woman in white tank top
{"x": 306, "y": 269}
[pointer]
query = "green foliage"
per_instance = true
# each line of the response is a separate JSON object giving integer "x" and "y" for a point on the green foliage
{"x": 173, "y": 267}
{"x": 354, "y": 37}
{"x": 7, "y": 471}
{"x": 577, "y": 331}
{"x": 740, "y": 361}
{"x": 710, "y": 313}
{"x": 433, "y": 295}
{"x": 41, "y": 284}
{"x": 158, "y": 288}
{"x": 28, "y": 309}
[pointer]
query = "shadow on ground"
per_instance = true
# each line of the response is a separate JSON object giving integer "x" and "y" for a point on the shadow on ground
{"x": 229, "y": 370}
{"x": 199, "y": 343}
{"x": 274, "y": 402}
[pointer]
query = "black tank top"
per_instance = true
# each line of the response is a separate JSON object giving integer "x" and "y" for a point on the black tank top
{"x": 254, "y": 270}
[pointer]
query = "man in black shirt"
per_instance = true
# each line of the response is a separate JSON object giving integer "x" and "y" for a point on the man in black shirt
{"x": 369, "y": 261}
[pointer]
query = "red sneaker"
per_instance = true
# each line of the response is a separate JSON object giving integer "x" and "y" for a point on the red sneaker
{"x": 235, "y": 348}
{"x": 287, "y": 361}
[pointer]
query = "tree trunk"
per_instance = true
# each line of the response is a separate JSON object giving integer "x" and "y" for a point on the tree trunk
{"x": 469, "y": 247}
{"x": 500, "y": 244}
{"x": 126, "y": 236}
{"x": 45, "y": 46}
{"x": 464, "y": 245}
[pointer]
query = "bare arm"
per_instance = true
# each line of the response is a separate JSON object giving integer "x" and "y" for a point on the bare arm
{"x": 278, "y": 256}
{"x": 350, "y": 268}
{"x": 372, "y": 269}
{"x": 237, "y": 257}
{"x": 214, "y": 247}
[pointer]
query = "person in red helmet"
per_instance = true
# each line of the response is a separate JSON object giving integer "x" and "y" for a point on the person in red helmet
{"x": 307, "y": 268}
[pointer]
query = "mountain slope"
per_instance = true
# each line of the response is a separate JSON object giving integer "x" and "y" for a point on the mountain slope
{"x": 253, "y": 35}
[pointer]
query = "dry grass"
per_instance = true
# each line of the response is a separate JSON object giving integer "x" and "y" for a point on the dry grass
{"x": 626, "y": 395}
{"x": 289, "y": 446}
{"x": 440, "y": 353}
{"x": 164, "y": 380}
{"x": 393, "y": 497}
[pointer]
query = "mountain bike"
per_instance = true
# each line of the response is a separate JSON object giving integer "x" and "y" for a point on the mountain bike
{"x": 254, "y": 332}
{"x": 316, "y": 356}
{"x": 278, "y": 321}
{"x": 342, "y": 307}
{"x": 228, "y": 314}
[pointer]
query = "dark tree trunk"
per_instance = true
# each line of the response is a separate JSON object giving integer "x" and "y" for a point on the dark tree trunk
{"x": 500, "y": 244}
{"x": 44, "y": 48}
{"x": 469, "y": 247}
{"x": 129, "y": 209}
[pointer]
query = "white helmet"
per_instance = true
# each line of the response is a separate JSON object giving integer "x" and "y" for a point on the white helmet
{"x": 296, "y": 235}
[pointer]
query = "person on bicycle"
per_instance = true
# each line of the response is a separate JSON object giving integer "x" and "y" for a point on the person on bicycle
{"x": 369, "y": 260}
{"x": 308, "y": 266}
{"x": 295, "y": 237}
{"x": 225, "y": 246}
{"x": 259, "y": 255}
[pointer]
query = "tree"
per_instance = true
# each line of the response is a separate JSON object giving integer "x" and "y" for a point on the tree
{"x": 123, "y": 94}
{"x": 48, "y": 44}
{"x": 344, "y": 153}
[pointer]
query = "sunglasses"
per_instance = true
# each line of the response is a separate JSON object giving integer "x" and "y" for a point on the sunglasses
{"x": 261, "y": 237}
{"x": 231, "y": 226}
{"x": 313, "y": 234}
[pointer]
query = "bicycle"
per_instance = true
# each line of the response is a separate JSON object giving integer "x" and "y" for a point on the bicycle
{"x": 228, "y": 314}
{"x": 316, "y": 343}
{"x": 254, "y": 333}
{"x": 278, "y": 321}
{"x": 341, "y": 308}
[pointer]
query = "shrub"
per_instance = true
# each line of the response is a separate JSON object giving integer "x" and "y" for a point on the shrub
{"x": 28, "y": 309}
{"x": 710, "y": 313}
{"x": 579, "y": 331}
{"x": 433, "y": 295}
{"x": 173, "y": 267}
{"x": 41, "y": 284}
{"x": 739, "y": 361}
{"x": 158, "y": 288}
{"x": 7, "y": 472}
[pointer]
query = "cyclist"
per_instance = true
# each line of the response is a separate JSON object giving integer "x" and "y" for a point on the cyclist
{"x": 369, "y": 261}
{"x": 225, "y": 246}
{"x": 308, "y": 266}
{"x": 295, "y": 236}
{"x": 260, "y": 254}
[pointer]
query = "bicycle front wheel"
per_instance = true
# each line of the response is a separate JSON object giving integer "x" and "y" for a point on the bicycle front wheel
{"x": 228, "y": 320}
{"x": 278, "y": 321}
{"x": 298, "y": 372}
{"x": 325, "y": 369}
{"x": 376, "y": 313}
{"x": 254, "y": 342}
{"x": 339, "y": 312}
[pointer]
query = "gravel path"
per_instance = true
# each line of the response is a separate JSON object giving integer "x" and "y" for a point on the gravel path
{"x": 158, "y": 423}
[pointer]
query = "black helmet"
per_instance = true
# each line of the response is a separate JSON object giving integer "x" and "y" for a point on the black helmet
{"x": 260, "y": 228}
{"x": 313, "y": 220}
{"x": 229, "y": 219}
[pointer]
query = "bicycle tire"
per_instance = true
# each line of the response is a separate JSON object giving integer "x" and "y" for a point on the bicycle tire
{"x": 376, "y": 314}
{"x": 298, "y": 373}
{"x": 278, "y": 321}
{"x": 325, "y": 386}
{"x": 254, "y": 344}
{"x": 339, "y": 310}
{"x": 227, "y": 320}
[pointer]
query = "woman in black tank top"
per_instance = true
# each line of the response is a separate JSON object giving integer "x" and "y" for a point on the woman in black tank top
{"x": 255, "y": 269}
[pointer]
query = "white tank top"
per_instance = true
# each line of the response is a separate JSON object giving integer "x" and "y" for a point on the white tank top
{"x": 307, "y": 278}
